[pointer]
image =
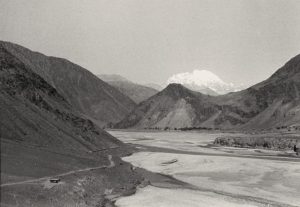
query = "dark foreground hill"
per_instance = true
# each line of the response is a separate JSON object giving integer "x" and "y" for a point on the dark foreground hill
{"x": 43, "y": 136}
{"x": 136, "y": 92}
{"x": 83, "y": 90}
{"x": 272, "y": 103}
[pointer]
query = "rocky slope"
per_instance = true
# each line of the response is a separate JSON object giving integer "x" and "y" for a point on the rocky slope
{"x": 42, "y": 135}
{"x": 174, "y": 107}
{"x": 272, "y": 103}
{"x": 136, "y": 92}
{"x": 98, "y": 100}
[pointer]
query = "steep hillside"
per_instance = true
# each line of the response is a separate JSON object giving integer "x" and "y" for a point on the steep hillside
{"x": 136, "y": 92}
{"x": 270, "y": 104}
{"x": 83, "y": 90}
{"x": 42, "y": 136}
{"x": 25, "y": 96}
{"x": 174, "y": 107}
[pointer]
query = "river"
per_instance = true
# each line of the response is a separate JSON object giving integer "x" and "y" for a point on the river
{"x": 217, "y": 176}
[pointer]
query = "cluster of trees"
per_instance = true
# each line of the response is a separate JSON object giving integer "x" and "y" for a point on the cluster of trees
{"x": 289, "y": 128}
{"x": 181, "y": 129}
{"x": 153, "y": 128}
{"x": 197, "y": 128}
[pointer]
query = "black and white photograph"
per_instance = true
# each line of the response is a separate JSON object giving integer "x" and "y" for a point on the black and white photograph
{"x": 150, "y": 103}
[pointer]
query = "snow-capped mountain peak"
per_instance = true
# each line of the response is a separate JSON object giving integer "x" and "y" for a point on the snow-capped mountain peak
{"x": 203, "y": 81}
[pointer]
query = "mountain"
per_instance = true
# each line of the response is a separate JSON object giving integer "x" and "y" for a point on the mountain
{"x": 272, "y": 103}
{"x": 88, "y": 94}
{"x": 201, "y": 89}
{"x": 174, "y": 107}
{"x": 43, "y": 136}
{"x": 136, "y": 92}
{"x": 112, "y": 78}
{"x": 203, "y": 81}
{"x": 31, "y": 108}
{"x": 154, "y": 85}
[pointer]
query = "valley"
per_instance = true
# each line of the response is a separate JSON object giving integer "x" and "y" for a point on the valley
{"x": 173, "y": 103}
{"x": 53, "y": 112}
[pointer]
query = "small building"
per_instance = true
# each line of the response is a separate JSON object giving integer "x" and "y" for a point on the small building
{"x": 54, "y": 180}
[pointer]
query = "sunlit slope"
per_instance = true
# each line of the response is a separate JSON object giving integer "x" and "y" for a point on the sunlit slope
{"x": 175, "y": 106}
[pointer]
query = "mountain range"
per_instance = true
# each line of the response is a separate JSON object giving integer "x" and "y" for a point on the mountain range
{"x": 272, "y": 103}
{"x": 118, "y": 101}
{"x": 136, "y": 92}
{"x": 52, "y": 111}
{"x": 98, "y": 100}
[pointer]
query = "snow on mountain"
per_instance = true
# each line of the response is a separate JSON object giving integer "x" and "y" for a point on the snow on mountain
{"x": 203, "y": 81}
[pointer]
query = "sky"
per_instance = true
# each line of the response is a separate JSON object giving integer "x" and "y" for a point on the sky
{"x": 147, "y": 41}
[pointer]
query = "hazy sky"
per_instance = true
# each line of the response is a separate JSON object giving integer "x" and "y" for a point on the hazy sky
{"x": 242, "y": 41}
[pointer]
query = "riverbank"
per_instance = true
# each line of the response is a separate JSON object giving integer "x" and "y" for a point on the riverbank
{"x": 273, "y": 141}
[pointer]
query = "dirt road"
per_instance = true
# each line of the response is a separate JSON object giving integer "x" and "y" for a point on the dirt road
{"x": 111, "y": 165}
